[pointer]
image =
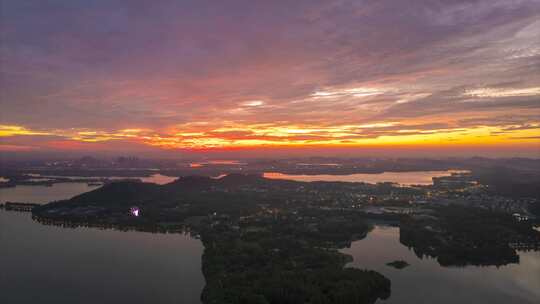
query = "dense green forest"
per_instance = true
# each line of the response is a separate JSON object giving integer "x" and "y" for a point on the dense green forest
{"x": 459, "y": 236}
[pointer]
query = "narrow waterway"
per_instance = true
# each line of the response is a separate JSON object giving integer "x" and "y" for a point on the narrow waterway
{"x": 425, "y": 281}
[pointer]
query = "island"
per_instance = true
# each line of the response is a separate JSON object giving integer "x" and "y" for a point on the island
{"x": 460, "y": 236}
{"x": 277, "y": 241}
{"x": 398, "y": 264}
{"x": 265, "y": 241}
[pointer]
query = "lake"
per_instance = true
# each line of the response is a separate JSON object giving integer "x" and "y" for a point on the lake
{"x": 60, "y": 191}
{"x": 401, "y": 178}
{"x": 43, "y": 194}
{"x": 424, "y": 281}
{"x": 49, "y": 264}
{"x": 159, "y": 179}
{"x": 154, "y": 178}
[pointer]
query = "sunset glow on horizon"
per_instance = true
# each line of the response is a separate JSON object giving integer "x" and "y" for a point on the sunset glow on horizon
{"x": 205, "y": 76}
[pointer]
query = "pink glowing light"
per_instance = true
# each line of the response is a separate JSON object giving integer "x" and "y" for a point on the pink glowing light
{"x": 134, "y": 211}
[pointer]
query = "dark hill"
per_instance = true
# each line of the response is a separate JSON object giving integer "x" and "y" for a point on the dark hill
{"x": 118, "y": 193}
{"x": 190, "y": 183}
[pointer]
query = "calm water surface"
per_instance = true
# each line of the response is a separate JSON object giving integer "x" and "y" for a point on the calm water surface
{"x": 159, "y": 179}
{"x": 402, "y": 178}
{"x": 154, "y": 178}
{"x": 424, "y": 281}
{"x": 60, "y": 191}
{"x": 43, "y": 194}
{"x": 47, "y": 264}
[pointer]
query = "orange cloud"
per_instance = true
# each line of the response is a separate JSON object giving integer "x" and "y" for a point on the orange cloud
{"x": 266, "y": 135}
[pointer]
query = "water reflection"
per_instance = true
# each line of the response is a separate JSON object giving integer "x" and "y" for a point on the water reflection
{"x": 425, "y": 281}
{"x": 402, "y": 178}
{"x": 154, "y": 178}
{"x": 216, "y": 162}
{"x": 48, "y": 264}
{"x": 43, "y": 194}
{"x": 159, "y": 179}
{"x": 60, "y": 191}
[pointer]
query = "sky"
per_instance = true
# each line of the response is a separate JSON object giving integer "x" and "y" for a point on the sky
{"x": 264, "y": 77}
